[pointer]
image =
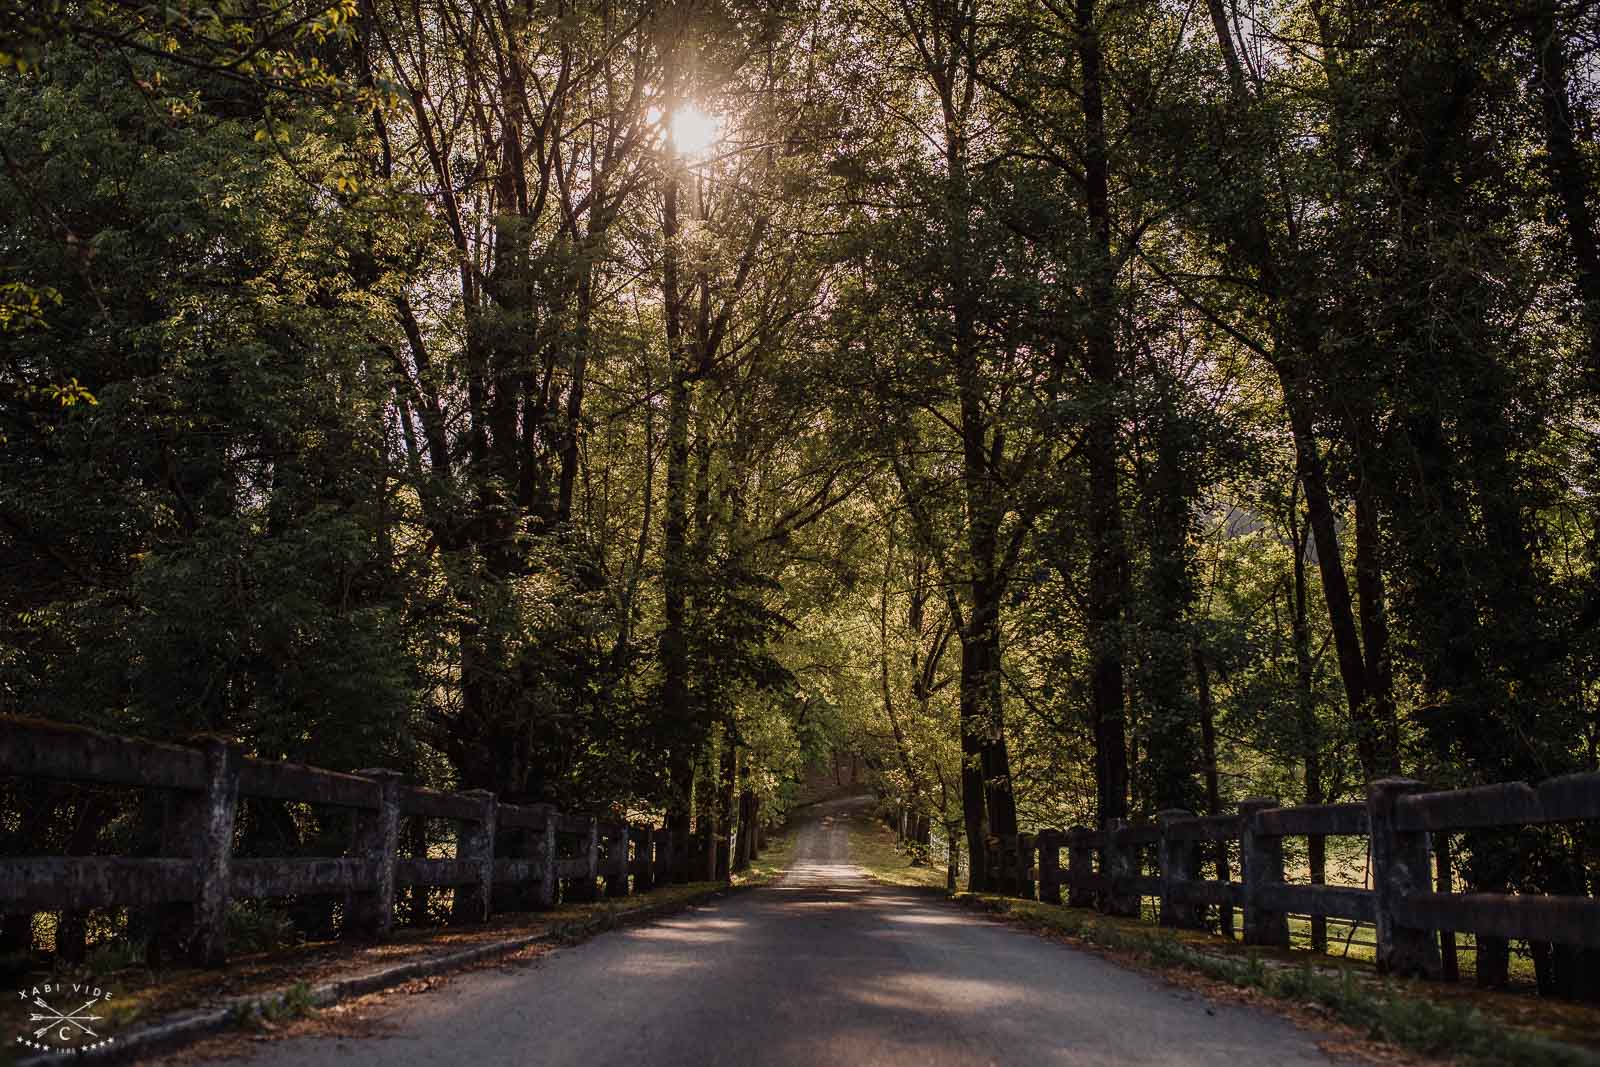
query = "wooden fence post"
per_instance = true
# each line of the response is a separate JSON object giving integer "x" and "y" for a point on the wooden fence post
{"x": 547, "y": 857}
{"x": 1080, "y": 866}
{"x": 200, "y": 825}
{"x": 617, "y": 862}
{"x": 1025, "y": 847}
{"x": 1399, "y": 869}
{"x": 645, "y": 849}
{"x": 1262, "y": 858}
{"x": 475, "y": 845}
{"x": 680, "y": 856}
{"x": 1176, "y": 857}
{"x": 587, "y": 887}
{"x": 1444, "y": 883}
{"x": 1049, "y": 842}
{"x": 376, "y": 841}
{"x": 523, "y": 844}
{"x": 1225, "y": 911}
{"x": 1117, "y": 865}
{"x": 666, "y": 857}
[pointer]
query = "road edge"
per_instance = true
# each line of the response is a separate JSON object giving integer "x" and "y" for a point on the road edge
{"x": 1313, "y": 994}
{"x": 1391, "y": 1017}
{"x": 168, "y": 1035}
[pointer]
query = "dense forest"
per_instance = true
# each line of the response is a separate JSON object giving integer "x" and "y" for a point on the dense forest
{"x": 1076, "y": 408}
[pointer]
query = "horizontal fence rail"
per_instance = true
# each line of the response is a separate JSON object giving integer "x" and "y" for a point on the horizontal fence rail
{"x": 522, "y": 856}
{"x": 1103, "y": 867}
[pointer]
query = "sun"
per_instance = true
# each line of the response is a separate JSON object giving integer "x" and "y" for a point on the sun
{"x": 693, "y": 132}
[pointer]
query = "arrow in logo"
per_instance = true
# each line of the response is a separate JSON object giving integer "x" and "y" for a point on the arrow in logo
{"x": 75, "y": 1017}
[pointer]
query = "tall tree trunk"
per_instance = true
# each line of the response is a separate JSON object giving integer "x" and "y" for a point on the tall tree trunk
{"x": 1108, "y": 561}
{"x": 1170, "y": 774}
{"x": 675, "y": 703}
{"x": 983, "y": 654}
{"x": 972, "y": 776}
{"x": 745, "y": 850}
{"x": 1569, "y": 179}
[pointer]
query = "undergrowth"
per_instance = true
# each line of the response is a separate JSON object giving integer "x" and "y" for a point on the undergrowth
{"x": 294, "y": 1004}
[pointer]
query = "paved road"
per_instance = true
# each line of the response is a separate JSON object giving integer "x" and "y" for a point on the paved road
{"x": 825, "y": 968}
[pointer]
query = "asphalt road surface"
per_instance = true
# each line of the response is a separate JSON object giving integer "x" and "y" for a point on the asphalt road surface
{"x": 824, "y": 968}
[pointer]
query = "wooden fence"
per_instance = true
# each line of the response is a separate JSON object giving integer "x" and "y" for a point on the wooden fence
{"x": 1106, "y": 868}
{"x": 518, "y": 854}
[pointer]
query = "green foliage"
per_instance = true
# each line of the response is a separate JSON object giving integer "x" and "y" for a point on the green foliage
{"x": 1098, "y": 418}
{"x": 114, "y": 954}
{"x": 195, "y": 516}
{"x": 259, "y": 927}
{"x": 295, "y": 1003}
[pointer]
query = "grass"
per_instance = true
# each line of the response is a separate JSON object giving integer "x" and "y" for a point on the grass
{"x": 296, "y": 1004}
{"x": 873, "y": 849}
{"x": 1355, "y": 941}
{"x": 771, "y": 864}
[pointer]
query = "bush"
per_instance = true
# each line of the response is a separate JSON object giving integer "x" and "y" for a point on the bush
{"x": 257, "y": 927}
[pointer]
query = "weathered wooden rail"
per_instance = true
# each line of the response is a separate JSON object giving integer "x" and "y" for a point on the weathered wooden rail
{"x": 1104, "y": 867}
{"x": 518, "y": 853}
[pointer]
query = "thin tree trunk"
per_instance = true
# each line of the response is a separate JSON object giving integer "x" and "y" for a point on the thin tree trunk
{"x": 728, "y": 765}
{"x": 1375, "y": 632}
{"x": 572, "y": 429}
{"x": 913, "y": 779}
{"x": 1208, "y": 742}
{"x": 1302, "y": 335}
{"x": 952, "y": 837}
{"x": 1310, "y": 733}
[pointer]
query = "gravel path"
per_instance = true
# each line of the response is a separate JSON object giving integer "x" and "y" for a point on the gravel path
{"x": 825, "y": 968}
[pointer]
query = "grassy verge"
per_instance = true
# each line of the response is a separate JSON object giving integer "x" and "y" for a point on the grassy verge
{"x": 872, "y": 848}
{"x": 1355, "y": 942}
{"x": 142, "y": 995}
{"x": 1435, "y": 1019}
{"x": 1427, "y": 1017}
{"x": 773, "y": 863}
